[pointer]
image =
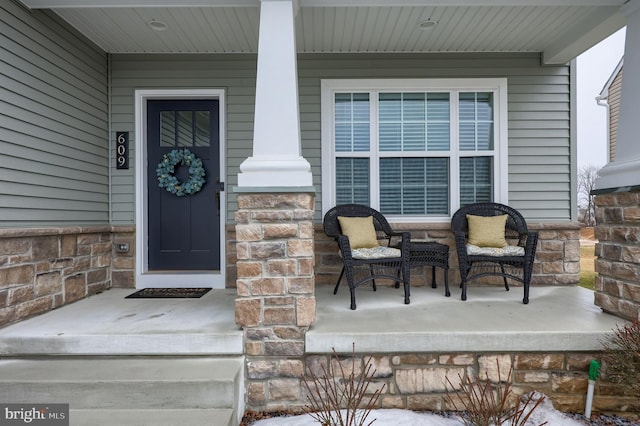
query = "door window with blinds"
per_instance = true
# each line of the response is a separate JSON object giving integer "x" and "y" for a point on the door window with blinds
{"x": 419, "y": 152}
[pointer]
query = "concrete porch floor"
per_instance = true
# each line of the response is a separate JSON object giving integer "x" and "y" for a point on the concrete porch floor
{"x": 556, "y": 319}
{"x": 491, "y": 319}
{"x": 109, "y": 324}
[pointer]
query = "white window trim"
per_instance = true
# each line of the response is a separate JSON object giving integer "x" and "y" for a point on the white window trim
{"x": 497, "y": 85}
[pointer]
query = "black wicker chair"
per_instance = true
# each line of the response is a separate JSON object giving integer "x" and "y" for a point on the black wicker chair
{"x": 518, "y": 267}
{"x": 362, "y": 270}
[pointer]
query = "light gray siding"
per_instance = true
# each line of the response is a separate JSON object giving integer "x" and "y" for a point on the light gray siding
{"x": 233, "y": 73}
{"x": 539, "y": 113}
{"x": 53, "y": 122}
{"x": 538, "y": 108}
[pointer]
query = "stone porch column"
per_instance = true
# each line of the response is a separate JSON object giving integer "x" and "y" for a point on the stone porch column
{"x": 618, "y": 253}
{"x": 274, "y": 225}
{"x": 618, "y": 193}
{"x": 276, "y": 301}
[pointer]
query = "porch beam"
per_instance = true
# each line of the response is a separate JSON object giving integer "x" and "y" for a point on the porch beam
{"x": 277, "y": 158}
{"x": 596, "y": 27}
{"x": 55, "y": 4}
{"x": 351, "y": 3}
{"x": 623, "y": 173}
{"x": 103, "y": 4}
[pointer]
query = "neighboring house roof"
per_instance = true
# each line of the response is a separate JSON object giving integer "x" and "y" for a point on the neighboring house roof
{"x": 560, "y": 29}
{"x": 604, "y": 93}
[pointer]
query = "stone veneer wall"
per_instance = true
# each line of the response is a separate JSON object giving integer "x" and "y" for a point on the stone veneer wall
{"x": 557, "y": 259}
{"x": 416, "y": 381}
{"x": 618, "y": 253}
{"x": 45, "y": 268}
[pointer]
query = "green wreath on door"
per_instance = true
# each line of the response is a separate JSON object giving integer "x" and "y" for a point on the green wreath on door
{"x": 166, "y": 173}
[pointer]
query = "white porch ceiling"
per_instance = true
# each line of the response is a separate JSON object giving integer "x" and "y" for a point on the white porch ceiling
{"x": 559, "y": 29}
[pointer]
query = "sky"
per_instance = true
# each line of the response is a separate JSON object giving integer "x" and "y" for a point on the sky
{"x": 593, "y": 71}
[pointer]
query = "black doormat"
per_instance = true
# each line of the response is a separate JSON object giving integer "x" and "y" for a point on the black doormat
{"x": 168, "y": 293}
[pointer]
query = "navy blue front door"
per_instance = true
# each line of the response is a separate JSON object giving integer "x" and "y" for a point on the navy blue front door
{"x": 184, "y": 231}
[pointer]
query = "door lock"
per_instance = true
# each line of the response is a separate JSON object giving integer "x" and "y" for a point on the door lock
{"x": 219, "y": 189}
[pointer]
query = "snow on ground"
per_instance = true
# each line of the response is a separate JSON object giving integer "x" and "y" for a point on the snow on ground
{"x": 396, "y": 417}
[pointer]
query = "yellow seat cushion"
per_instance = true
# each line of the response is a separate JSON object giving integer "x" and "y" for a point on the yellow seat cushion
{"x": 487, "y": 231}
{"x": 360, "y": 230}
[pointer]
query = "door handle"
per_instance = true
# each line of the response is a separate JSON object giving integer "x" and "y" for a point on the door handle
{"x": 219, "y": 189}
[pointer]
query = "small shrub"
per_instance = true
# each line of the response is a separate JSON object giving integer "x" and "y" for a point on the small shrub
{"x": 336, "y": 400}
{"x": 621, "y": 356}
{"x": 488, "y": 404}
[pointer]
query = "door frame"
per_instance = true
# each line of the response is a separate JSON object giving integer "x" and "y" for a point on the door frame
{"x": 144, "y": 277}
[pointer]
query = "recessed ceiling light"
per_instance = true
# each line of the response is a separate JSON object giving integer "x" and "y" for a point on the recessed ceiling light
{"x": 157, "y": 25}
{"x": 427, "y": 24}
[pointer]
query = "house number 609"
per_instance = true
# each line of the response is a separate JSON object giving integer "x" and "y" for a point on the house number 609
{"x": 122, "y": 150}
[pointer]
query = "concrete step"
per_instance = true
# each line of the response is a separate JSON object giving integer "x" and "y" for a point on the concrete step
{"x": 203, "y": 417}
{"x": 145, "y": 390}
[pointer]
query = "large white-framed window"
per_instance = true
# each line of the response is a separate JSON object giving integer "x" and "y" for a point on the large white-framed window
{"x": 414, "y": 149}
